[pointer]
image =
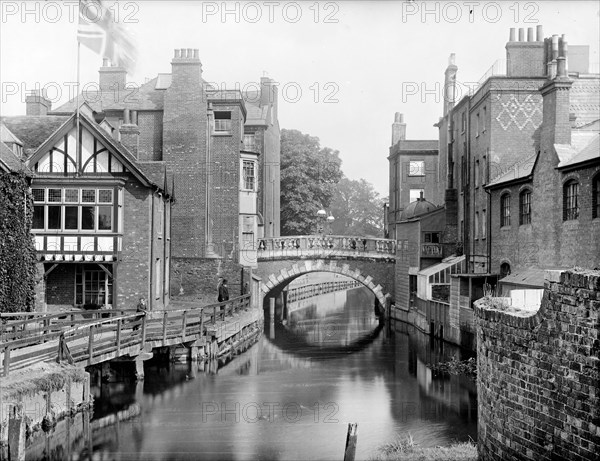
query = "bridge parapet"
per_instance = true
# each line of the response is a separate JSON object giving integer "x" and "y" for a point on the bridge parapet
{"x": 328, "y": 246}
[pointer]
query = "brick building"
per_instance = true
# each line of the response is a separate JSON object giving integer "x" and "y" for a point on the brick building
{"x": 200, "y": 132}
{"x": 545, "y": 210}
{"x": 520, "y": 159}
{"x": 101, "y": 217}
{"x": 414, "y": 170}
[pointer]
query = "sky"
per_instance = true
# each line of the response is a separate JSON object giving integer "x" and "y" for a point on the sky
{"x": 343, "y": 67}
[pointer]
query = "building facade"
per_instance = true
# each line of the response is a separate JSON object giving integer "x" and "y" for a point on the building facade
{"x": 200, "y": 133}
{"x": 101, "y": 218}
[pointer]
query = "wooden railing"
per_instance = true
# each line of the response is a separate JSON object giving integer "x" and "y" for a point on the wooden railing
{"x": 325, "y": 246}
{"x": 93, "y": 340}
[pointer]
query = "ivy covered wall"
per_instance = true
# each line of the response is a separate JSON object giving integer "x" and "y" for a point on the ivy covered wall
{"x": 17, "y": 251}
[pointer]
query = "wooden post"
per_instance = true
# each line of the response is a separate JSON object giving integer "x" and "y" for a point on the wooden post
{"x": 16, "y": 433}
{"x": 214, "y": 316}
{"x": 6, "y": 360}
{"x": 165, "y": 326}
{"x": 91, "y": 345}
{"x": 201, "y": 321}
{"x": 118, "y": 337}
{"x": 351, "y": 437}
{"x": 144, "y": 330}
{"x": 184, "y": 325}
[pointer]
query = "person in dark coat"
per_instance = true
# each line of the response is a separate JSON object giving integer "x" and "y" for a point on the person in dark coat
{"x": 223, "y": 291}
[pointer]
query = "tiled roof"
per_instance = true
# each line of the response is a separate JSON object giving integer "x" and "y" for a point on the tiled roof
{"x": 517, "y": 171}
{"x": 8, "y": 136}
{"x": 33, "y": 130}
{"x": 145, "y": 97}
{"x": 9, "y": 161}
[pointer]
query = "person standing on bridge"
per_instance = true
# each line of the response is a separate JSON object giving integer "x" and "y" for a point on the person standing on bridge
{"x": 223, "y": 291}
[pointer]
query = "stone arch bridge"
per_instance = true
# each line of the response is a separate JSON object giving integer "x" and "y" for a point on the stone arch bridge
{"x": 370, "y": 261}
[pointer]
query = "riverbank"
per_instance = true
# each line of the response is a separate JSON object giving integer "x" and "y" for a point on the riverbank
{"x": 406, "y": 450}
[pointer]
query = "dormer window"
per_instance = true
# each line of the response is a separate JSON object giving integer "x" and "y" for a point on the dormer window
{"x": 222, "y": 121}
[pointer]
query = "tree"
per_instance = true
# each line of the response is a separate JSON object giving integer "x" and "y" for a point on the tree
{"x": 309, "y": 175}
{"x": 357, "y": 208}
{"x": 17, "y": 252}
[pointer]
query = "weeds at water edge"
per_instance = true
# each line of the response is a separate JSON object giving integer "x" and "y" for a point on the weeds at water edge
{"x": 405, "y": 449}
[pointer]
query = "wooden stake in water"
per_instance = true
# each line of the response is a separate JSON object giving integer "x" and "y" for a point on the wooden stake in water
{"x": 351, "y": 442}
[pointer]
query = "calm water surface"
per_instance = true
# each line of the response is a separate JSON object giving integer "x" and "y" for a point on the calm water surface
{"x": 289, "y": 397}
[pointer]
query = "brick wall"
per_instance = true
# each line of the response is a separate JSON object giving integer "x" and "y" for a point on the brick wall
{"x": 60, "y": 285}
{"x": 539, "y": 375}
{"x": 200, "y": 276}
{"x": 151, "y": 134}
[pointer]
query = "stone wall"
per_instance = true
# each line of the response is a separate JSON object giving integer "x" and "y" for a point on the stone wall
{"x": 539, "y": 374}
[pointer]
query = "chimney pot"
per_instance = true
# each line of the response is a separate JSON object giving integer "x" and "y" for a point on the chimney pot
{"x": 105, "y": 62}
{"x": 176, "y": 54}
{"x": 126, "y": 117}
{"x": 562, "y": 66}
{"x": 530, "y": 34}
{"x": 183, "y": 52}
{"x": 521, "y": 34}
{"x": 511, "y": 37}
{"x": 554, "y": 47}
{"x": 452, "y": 59}
{"x": 196, "y": 53}
{"x": 190, "y": 53}
{"x": 540, "y": 33}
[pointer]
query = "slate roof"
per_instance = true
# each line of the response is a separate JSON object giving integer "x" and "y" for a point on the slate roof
{"x": 584, "y": 101}
{"x": 8, "y": 136}
{"x": 519, "y": 170}
{"x": 33, "y": 130}
{"x": 414, "y": 145}
{"x": 584, "y": 146}
{"x": 528, "y": 277}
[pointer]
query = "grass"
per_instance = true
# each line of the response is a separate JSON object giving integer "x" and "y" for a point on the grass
{"x": 405, "y": 449}
{"x": 42, "y": 377}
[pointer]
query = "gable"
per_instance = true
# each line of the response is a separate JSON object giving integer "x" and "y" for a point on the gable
{"x": 60, "y": 156}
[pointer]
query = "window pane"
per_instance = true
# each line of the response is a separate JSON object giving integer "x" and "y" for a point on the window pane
{"x": 104, "y": 218}
{"x": 38, "y": 217}
{"x": 87, "y": 217}
{"x": 54, "y": 217}
{"x": 88, "y": 195}
{"x": 38, "y": 194}
{"x": 72, "y": 195}
{"x": 105, "y": 196}
{"x": 71, "y": 217}
{"x": 54, "y": 195}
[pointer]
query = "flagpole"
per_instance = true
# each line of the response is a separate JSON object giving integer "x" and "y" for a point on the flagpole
{"x": 77, "y": 137}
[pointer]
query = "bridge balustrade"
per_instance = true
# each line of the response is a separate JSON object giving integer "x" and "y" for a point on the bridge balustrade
{"x": 325, "y": 246}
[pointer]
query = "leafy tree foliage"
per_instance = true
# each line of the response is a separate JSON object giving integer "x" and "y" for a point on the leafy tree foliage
{"x": 357, "y": 208}
{"x": 17, "y": 252}
{"x": 309, "y": 175}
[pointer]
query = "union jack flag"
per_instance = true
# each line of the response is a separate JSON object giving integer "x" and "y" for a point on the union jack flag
{"x": 102, "y": 33}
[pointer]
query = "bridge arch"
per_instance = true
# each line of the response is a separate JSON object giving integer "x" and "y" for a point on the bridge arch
{"x": 273, "y": 280}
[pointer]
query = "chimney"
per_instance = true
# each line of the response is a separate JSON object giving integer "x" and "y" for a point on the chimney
{"x": 450, "y": 84}
{"x": 186, "y": 68}
{"x": 268, "y": 94}
{"x": 37, "y": 103}
{"x": 398, "y": 128}
{"x": 112, "y": 78}
{"x": 130, "y": 132}
{"x": 556, "y": 127}
{"x": 525, "y": 58}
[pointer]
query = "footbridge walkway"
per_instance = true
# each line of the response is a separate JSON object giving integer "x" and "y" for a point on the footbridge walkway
{"x": 91, "y": 337}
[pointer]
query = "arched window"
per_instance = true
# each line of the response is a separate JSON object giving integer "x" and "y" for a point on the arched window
{"x": 505, "y": 210}
{"x": 570, "y": 200}
{"x": 525, "y": 207}
{"x": 504, "y": 270}
{"x": 596, "y": 197}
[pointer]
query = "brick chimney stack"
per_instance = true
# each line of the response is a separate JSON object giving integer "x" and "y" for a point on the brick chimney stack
{"x": 398, "y": 128}
{"x": 112, "y": 78}
{"x": 37, "y": 103}
{"x": 130, "y": 132}
{"x": 450, "y": 84}
{"x": 556, "y": 128}
{"x": 525, "y": 58}
{"x": 268, "y": 94}
{"x": 186, "y": 68}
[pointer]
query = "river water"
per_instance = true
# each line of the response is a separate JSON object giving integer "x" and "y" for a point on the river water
{"x": 289, "y": 397}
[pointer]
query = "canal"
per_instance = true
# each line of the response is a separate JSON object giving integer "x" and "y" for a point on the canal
{"x": 289, "y": 397}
